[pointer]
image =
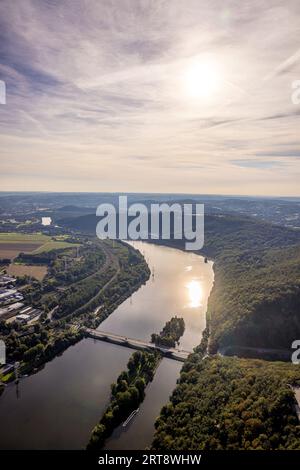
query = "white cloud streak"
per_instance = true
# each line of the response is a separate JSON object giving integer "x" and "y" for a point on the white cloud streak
{"x": 95, "y": 96}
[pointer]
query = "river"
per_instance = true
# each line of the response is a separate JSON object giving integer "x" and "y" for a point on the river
{"x": 57, "y": 407}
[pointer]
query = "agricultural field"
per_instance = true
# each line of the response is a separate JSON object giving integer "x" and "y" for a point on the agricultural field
{"x": 54, "y": 245}
{"x": 13, "y": 237}
{"x": 11, "y": 250}
{"x": 13, "y": 243}
{"x": 19, "y": 270}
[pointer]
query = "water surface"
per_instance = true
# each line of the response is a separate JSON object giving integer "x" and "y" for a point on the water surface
{"x": 58, "y": 407}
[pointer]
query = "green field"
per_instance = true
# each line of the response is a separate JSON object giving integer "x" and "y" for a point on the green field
{"x": 14, "y": 237}
{"x": 11, "y": 244}
{"x": 54, "y": 245}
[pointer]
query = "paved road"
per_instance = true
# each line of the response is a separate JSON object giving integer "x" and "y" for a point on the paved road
{"x": 179, "y": 354}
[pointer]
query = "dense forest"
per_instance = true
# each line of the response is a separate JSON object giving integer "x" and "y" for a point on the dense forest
{"x": 257, "y": 280}
{"x": 257, "y": 284}
{"x": 255, "y": 298}
{"x": 231, "y": 403}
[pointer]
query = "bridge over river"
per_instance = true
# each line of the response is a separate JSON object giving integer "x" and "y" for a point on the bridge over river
{"x": 172, "y": 353}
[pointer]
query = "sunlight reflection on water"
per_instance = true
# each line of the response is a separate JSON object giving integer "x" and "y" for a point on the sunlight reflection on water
{"x": 195, "y": 293}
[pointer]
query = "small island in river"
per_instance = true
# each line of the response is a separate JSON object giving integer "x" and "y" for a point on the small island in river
{"x": 170, "y": 333}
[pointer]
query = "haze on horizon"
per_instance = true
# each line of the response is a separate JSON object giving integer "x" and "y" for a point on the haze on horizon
{"x": 150, "y": 96}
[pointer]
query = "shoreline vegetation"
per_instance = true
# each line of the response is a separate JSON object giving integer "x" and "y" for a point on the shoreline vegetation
{"x": 241, "y": 403}
{"x": 224, "y": 403}
{"x": 129, "y": 390}
{"x": 126, "y": 395}
{"x": 255, "y": 297}
{"x": 231, "y": 402}
{"x": 170, "y": 334}
{"x": 108, "y": 274}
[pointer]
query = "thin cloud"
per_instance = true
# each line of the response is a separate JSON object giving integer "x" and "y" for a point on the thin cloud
{"x": 96, "y": 95}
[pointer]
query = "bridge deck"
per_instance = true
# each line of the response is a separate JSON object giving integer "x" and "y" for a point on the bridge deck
{"x": 172, "y": 353}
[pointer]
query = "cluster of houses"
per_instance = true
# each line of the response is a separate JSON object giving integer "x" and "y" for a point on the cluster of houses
{"x": 12, "y": 307}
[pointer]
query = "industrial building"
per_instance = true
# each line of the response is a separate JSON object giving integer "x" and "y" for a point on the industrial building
{"x": 6, "y": 280}
{"x": 11, "y": 305}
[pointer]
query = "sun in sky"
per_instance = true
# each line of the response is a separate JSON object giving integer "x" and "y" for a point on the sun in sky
{"x": 153, "y": 97}
{"x": 202, "y": 78}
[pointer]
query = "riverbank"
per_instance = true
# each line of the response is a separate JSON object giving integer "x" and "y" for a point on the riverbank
{"x": 57, "y": 336}
{"x": 256, "y": 257}
{"x": 66, "y": 398}
{"x": 126, "y": 395}
{"x": 223, "y": 403}
{"x": 129, "y": 391}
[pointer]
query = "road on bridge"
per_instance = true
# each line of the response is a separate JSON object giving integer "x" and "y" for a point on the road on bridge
{"x": 172, "y": 353}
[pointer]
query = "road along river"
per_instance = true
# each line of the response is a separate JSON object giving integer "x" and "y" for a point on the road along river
{"x": 58, "y": 407}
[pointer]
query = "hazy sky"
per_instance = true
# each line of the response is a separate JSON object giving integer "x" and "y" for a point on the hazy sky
{"x": 157, "y": 96}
